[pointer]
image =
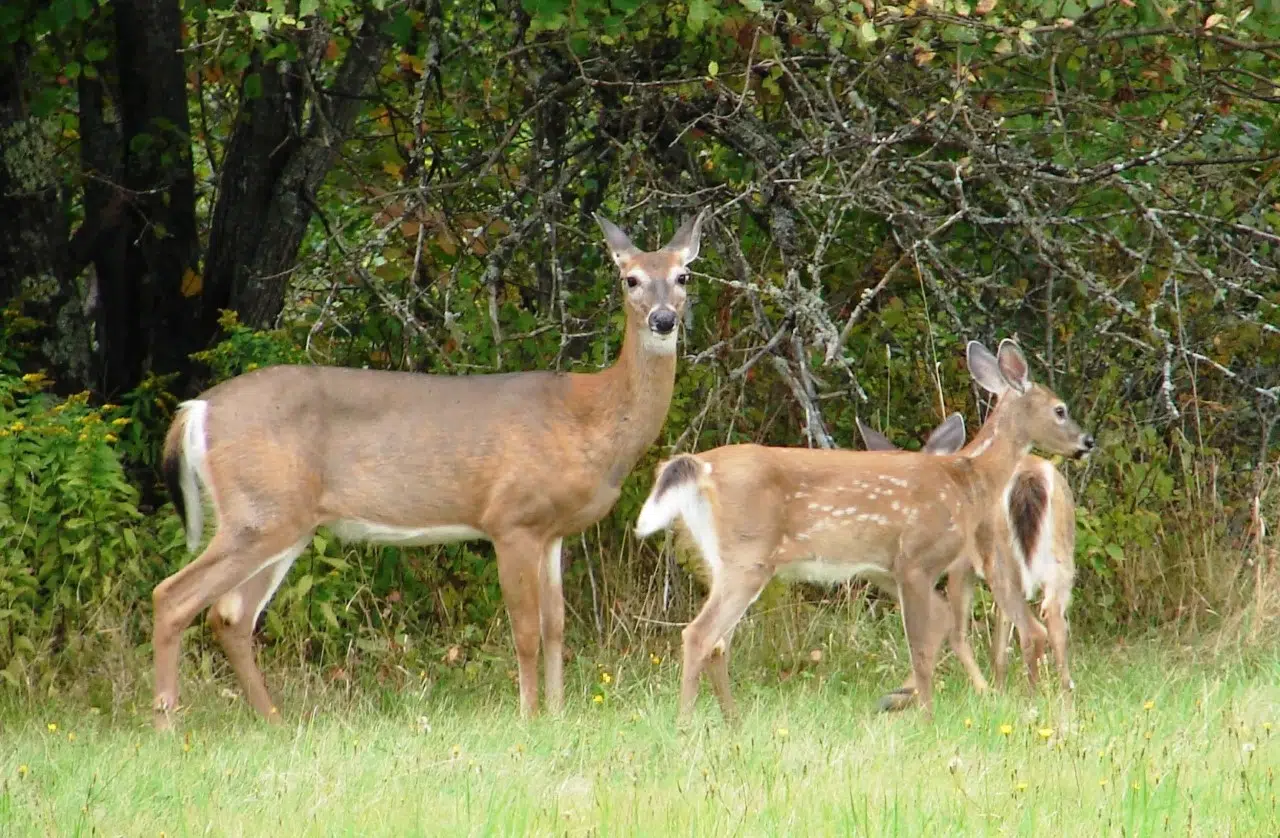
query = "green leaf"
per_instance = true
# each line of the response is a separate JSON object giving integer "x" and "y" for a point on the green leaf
{"x": 753, "y": 6}
{"x": 306, "y": 8}
{"x": 700, "y": 12}
{"x": 64, "y": 11}
{"x": 327, "y": 610}
{"x": 96, "y": 51}
{"x": 260, "y": 21}
{"x": 253, "y": 86}
{"x": 713, "y": 69}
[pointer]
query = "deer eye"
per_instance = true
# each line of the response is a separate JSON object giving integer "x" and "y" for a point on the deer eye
{"x": 682, "y": 280}
{"x": 632, "y": 282}
{"x": 1060, "y": 411}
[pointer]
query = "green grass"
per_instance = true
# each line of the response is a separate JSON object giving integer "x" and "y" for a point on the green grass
{"x": 1160, "y": 740}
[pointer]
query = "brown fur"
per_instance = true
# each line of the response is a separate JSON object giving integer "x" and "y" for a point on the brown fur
{"x": 1028, "y": 498}
{"x": 905, "y": 516}
{"x": 524, "y": 459}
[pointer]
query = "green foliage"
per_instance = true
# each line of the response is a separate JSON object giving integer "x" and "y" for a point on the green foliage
{"x": 73, "y": 545}
{"x": 456, "y": 238}
{"x": 244, "y": 349}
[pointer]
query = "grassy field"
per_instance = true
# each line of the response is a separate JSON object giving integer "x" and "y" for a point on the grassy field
{"x": 1160, "y": 740}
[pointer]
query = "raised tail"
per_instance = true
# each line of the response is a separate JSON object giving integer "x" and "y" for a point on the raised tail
{"x": 184, "y": 467}
{"x": 684, "y": 489}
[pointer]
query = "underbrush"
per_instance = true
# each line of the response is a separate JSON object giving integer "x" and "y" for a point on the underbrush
{"x": 1161, "y": 738}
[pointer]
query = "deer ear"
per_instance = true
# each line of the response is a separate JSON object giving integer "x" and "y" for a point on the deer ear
{"x": 687, "y": 240}
{"x": 1013, "y": 365}
{"x": 985, "y": 369}
{"x": 874, "y": 440}
{"x": 620, "y": 246}
{"x": 948, "y": 437}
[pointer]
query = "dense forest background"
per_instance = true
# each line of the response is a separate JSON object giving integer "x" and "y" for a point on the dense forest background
{"x": 190, "y": 190}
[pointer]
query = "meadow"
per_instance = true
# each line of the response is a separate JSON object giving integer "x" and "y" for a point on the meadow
{"x": 1160, "y": 738}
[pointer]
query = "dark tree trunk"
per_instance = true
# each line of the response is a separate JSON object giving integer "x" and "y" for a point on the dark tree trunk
{"x": 33, "y": 227}
{"x": 145, "y": 322}
{"x": 273, "y": 168}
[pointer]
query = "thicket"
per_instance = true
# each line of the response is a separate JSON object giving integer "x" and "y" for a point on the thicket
{"x": 888, "y": 181}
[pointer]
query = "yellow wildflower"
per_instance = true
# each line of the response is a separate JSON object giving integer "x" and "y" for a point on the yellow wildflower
{"x": 1006, "y": 729}
{"x": 71, "y": 736}
{"x": 23, "y": 770}
{"x": 605, "y": 677}
{"x": 782, "y": 733}
{"x": 110, "y": 437}
{"x": 598, "y": 699}
{"x": 1021, "y": 786}
{"x": 110, "y": 407}
{"x": 1148, "y": 705}
{"x": 968, "y": 723}
{"x": 121, "y": 422}
{"x": 18, "y": 427}
{"x": 1045, "y": 732}
{"x": 456, "y": 750}
{"x": 53, "y": 727}
{"x": 1102, "y": 782}
{"x": 84, "y": 437}
{"x": 654, "y": 659}
{"x": 34, "y": 377}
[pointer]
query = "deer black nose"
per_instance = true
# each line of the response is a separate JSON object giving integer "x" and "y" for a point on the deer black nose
{"x": 662, "y": 321}
{"x": 1088, "y": 442}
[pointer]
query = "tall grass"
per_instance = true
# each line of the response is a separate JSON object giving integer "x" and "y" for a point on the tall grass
{"x": 1160, "y": 739}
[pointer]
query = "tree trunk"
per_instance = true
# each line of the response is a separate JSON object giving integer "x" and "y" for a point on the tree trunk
{"x": 145, "y": 322}
{"x": 34, "y": 229}
{"x": 273, "y": 168}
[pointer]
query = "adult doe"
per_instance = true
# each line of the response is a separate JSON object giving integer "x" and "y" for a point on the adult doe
{"x": 521, "y": 459}
{"x": 826, "y": 516}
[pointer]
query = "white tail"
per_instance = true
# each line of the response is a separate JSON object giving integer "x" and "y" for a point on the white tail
{"x": 520, "y": 459}
{"x": 190, "y": 467}
{"x": 902, "y": 518}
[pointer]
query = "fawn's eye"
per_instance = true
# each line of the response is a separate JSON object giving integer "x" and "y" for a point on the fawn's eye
{"x": 632, "y": 282}
{"x": 682, "y": 280}
{"x": 1060, "y": 411}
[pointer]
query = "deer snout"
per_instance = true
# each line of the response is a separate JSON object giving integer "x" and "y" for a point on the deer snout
{"x": 662, "y": 320}
{"x": 1086, "y": 445}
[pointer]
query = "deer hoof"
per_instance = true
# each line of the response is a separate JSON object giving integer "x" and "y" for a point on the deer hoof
{"x": 899, "y": 699}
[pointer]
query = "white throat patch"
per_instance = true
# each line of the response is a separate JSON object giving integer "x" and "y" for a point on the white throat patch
{"x": 658, "y": 344}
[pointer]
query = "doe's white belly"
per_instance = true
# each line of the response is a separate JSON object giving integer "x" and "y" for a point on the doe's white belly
{"x": 356, "y": 529}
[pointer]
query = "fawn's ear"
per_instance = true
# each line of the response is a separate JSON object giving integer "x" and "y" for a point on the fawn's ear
{"x": 620, "y": 246}
{"x": 873, "y": 439}
{"x": 947, "y": 438}
{"x": 688, "y": 239}
{"x": 985, "y": 369}
{"x": 1013, "y": 365}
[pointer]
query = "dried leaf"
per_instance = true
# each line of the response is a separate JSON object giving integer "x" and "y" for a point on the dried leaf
{"x": 192, "y": 283}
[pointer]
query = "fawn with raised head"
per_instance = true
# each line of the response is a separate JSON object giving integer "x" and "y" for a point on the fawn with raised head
{"x": 520, "y": 459}
{"x": 902, "y": 518}
{"x": 1037, "y": 515}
